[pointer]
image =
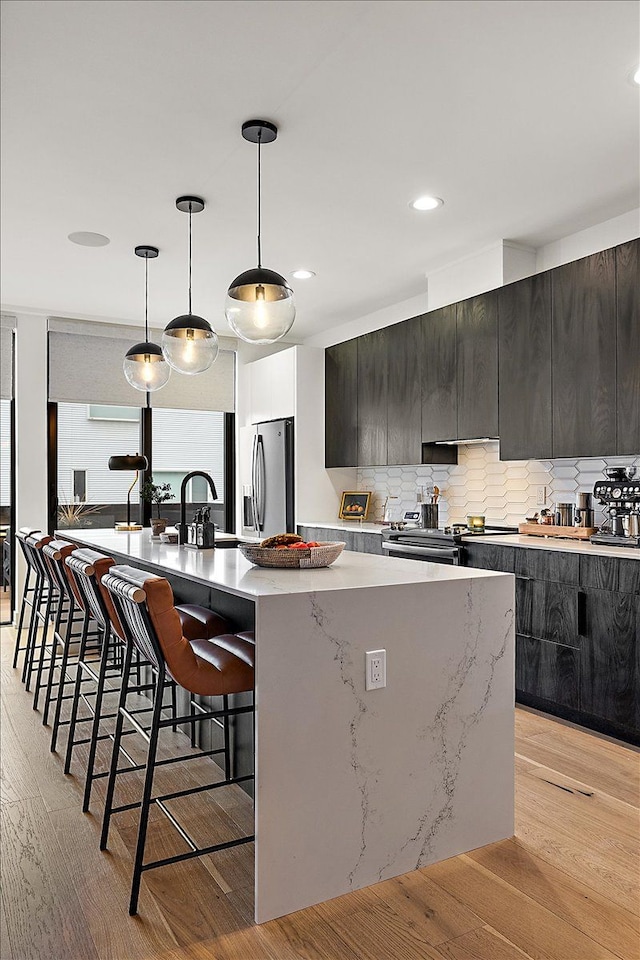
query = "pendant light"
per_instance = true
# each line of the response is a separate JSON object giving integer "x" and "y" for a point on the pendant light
{"x": 144, "y": 365}
{"x": 189, "y": 344}
{"x": 260, "y": 306}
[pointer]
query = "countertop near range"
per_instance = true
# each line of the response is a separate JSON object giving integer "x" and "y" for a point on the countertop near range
{"x": 559, "y": 544}
{"x": 352, "y": 526}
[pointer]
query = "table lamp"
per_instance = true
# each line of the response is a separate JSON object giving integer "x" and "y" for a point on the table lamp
{"x": 129, "y": 462}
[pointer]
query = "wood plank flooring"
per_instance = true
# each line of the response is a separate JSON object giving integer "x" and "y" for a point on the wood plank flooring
{"x": 566, "y": 887}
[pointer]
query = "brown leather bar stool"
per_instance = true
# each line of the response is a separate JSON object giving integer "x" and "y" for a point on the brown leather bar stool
{"x": 55, "y": 553}
{"x": 216, "y": 667}
{"x": 56, "y": 608}
{"x": 87, "y": 568}
{"x": 28, "y": 591}
{"x": 40, "y": 606}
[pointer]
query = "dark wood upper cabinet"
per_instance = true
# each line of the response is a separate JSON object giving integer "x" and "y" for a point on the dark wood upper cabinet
{"x": 372, "y": 398}
{"x": 584, "y": 357}
{"x": 404, "y": 420}
{"x": 628, "y": 331}
{"x": 524, "y": 369}
{"x": 477, "y": 366}
{"x": 438, "y": 374}
{"x": 341, "y": 405}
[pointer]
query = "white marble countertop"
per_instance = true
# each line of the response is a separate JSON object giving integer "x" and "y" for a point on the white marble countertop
{"x": 557, "y": 543}
{"x": 354, "y": 526}
{"x": 228, "y": 570}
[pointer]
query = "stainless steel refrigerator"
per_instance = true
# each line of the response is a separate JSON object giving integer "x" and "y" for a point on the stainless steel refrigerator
{"x": 272, "y": 481}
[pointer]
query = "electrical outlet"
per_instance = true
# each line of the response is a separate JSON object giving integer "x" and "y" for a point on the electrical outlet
{"x": 375, "y": 669}
{"x": 542, "y": 496}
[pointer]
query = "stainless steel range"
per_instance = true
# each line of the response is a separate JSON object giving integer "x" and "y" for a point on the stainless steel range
{"x": 437, "y": 546}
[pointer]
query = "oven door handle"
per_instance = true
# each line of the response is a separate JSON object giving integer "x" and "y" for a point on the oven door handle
{"x": 426, "y": 553}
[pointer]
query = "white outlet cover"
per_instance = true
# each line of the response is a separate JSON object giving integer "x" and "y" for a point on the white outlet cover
{"x": 375, "y": 669}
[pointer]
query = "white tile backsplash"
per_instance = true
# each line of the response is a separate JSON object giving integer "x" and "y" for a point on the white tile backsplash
{"x": 504, "y": 491}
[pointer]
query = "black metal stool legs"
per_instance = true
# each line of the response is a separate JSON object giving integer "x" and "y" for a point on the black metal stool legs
{"x": 76, "y": 694}
{"x": 115, "y": 756}
{"x": 146, "y": 793}
{"x": 25, "y": 601}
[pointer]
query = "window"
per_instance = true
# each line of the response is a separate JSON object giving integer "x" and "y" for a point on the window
{"x": 89, "y": 494}
{"x": 102, "y": 411}
{"x": 186, "y": 440}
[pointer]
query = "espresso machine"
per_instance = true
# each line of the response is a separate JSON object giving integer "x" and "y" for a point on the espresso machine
{"x": 620, "y": 496}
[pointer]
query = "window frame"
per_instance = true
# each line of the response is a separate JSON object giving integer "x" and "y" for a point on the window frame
{"x": 146, "y": 438}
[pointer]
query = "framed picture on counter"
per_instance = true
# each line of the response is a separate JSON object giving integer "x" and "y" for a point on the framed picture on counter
{"x": 354, "y": 505}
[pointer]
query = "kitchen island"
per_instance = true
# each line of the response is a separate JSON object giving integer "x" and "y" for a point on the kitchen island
{"x": 356, "y": 786}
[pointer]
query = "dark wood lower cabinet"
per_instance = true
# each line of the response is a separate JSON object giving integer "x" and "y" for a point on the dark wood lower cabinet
{"x": 550, "y": 671}
{"x": 577, "y": 634}
{"x": 610, "y": 650}
{"x": 357, "y": 540}
{"x": 547, "y": 610}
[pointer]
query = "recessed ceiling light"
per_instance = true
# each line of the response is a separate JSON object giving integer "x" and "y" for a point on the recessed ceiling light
{"x": 87, "y": 239}
{"x": 426, "y": 203}
{"x": 636, "y": 76}
{"x": 303, "y": 274}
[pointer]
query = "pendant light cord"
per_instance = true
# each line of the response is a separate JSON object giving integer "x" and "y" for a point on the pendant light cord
{"x": 190, "y": 205}
{"x": 259, "y": 202}
{"x": 146, "y": 299}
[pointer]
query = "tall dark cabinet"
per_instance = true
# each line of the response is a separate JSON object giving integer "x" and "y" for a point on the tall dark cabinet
{"x": 583, "y": 354}
{"x": 372, "y": 398}
{"x": 439, "y": 377}
{"x": 477, "y": 366}
{"x": 628, "y": 347}
{"x": 341, "y": 404}
{"x": 524, "y": 364}
{"x": 404, "y": 420}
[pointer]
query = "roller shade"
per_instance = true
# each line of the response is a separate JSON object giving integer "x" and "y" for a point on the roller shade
{"x": 85, "y": 366}
{"x": 7, "y": 325}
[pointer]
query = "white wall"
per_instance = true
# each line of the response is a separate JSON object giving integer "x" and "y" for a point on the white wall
{"x": 600, "y": 237}
{"x": 487, "y": 269}
{"x": 31, "y": 425}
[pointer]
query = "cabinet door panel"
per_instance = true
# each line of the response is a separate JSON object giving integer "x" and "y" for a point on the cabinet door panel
{"x": 372, "y": 399}
{"x": 524, "y": 364}
{"x": 404, "y": 418}
{"x": 489, "y": 556}
{"x": 548, "y": 670}
{"x": 628, "y": 328}
{"x": 609, "y": 686}
{"x": 439, "y": 379}
{"x": 341, "y": 405}
{"x": 477, "y": 366}
{"x": 610, "y": 573}
{"x": 584, "y": 357}
{"x": 540, "y": 564}
{"x": 548, "y": 611}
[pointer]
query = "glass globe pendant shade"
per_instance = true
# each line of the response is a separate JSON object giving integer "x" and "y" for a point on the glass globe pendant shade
{"x": 260, "y": 307}
{"x": 145, "y": 367}
{"x": 189, "y": 344}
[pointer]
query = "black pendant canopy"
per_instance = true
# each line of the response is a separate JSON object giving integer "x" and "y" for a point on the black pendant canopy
{"x": 189, "y": 343}
{"x": 260, "y": 307}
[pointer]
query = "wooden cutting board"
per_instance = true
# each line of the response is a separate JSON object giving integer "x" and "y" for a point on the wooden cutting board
{"x": 550, "y": 530}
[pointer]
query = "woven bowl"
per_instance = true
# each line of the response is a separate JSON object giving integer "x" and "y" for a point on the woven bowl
{"x": 310, "y": 557}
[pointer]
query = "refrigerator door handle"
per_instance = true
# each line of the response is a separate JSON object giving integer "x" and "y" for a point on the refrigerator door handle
{"x": 254, "y": 483}
{"x": 261, "y": 475}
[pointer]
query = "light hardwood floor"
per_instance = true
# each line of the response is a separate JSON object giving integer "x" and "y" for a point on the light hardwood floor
{"x": 564, "y": 888}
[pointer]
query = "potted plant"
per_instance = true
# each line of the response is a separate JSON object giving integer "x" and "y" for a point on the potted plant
{"x": 156, "y": 493}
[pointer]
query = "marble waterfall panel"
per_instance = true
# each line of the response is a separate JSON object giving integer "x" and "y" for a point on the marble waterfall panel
{"x": 354, "y": 787}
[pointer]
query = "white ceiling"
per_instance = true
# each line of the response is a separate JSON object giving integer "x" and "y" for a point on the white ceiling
{"x": 521, "y": 115}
